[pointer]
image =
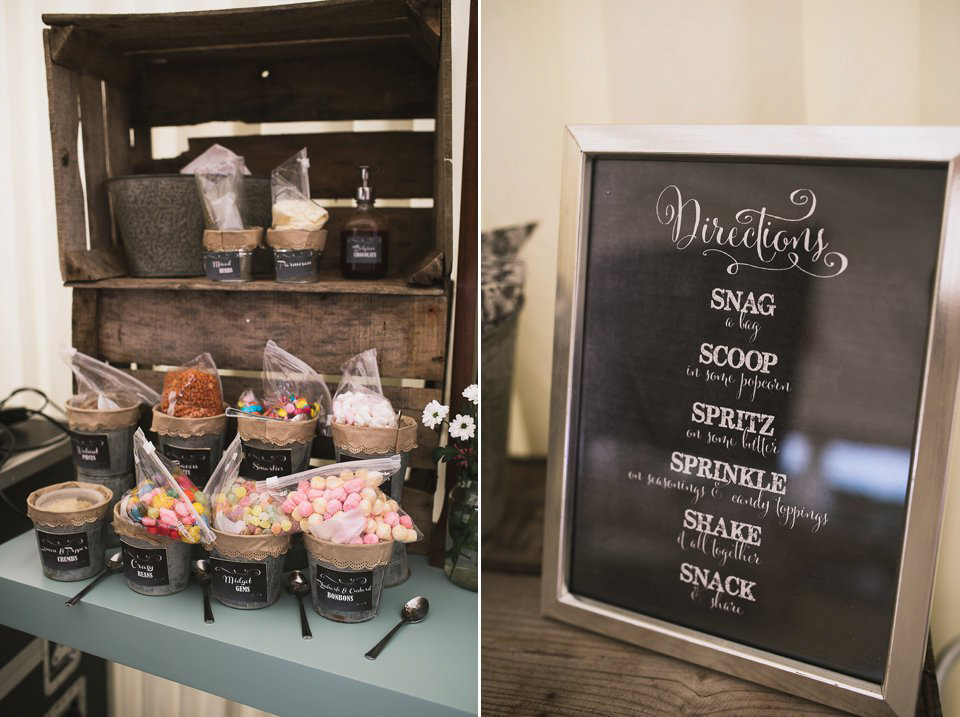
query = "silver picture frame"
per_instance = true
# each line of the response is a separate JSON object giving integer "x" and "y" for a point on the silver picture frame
{"x": 897, "y": 694}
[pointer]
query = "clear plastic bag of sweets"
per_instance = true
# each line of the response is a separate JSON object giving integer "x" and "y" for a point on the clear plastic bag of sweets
{"x": 164, "y": 501}
{"x": 292, "y": 390}
{"x": 219, "y": 174}
{"x": 100, "y": 385}
{"x": 193, "y": 390}
{"x": 290, "y": 192}
{"x": 343, "y": 503}
{"x": 239, "y": 506}
{"x": 359, "y": 400}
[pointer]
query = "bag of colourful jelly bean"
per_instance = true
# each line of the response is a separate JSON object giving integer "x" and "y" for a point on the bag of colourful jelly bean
{"x": 238, "y": 507}
{"x": 100, "y": 382}
{"x": 337, "y": 502}
{"x": 164, "y": 500}
{"x": 193, "y": 390}
{"x": 359, "y": 400}
{"x": 292, "y": 390}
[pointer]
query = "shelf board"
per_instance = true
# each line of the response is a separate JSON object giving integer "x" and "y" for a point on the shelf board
{"x": 330, "y": 282}
{"x": 429, "y": 669}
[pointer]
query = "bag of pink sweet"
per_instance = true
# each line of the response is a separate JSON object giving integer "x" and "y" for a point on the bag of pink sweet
{"x": 344, "y": 503}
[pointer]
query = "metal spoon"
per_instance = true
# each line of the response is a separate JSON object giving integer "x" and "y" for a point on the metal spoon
{"x": 299, "y": 586}
{"x": 414, "y": 611}
{"x": 200, "y": 569}
{"x": 114, "y": 565}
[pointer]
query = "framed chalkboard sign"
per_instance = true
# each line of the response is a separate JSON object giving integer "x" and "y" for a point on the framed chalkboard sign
{"x": 755, "y": 368}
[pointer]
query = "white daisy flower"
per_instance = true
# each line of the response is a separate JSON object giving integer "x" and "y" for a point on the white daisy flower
{"x": 462, "y": 427}
{"x": 434, "y": 413}
{"x": 472, "y": 393}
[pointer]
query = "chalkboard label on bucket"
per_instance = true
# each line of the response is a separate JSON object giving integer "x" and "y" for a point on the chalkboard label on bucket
{"x": 194, "y": 462}
{"x": 294, "y": 264}
{"x": 64, "y": 551}
{"x": 90, "y": 450}
{"x": 240, "y": 582}
{"x": 145, "y": 566}
{"x": 261, "y": 463}
{"x": 344, "y": 592}
{"x": 222, "y": 265}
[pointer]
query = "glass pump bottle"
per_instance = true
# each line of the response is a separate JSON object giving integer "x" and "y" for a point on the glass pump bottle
{"x": 364, "y": 236}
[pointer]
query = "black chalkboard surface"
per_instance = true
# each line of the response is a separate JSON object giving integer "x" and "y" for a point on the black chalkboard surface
{"x": 747, "y": 413}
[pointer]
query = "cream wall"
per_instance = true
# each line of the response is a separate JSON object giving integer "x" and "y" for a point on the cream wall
{"x": 35, "y": 307}
{"x": 547, "y": 63}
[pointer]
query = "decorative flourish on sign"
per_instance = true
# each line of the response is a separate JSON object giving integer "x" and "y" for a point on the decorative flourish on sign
{"x": 769, "y": 237}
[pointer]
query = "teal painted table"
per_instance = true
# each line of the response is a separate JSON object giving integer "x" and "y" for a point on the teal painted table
{"x": 257, "y": 657}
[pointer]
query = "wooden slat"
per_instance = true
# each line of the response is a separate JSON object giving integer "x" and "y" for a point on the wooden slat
{"x": 424, "y": 25}
{"x": 375, "y": 79}
{"x": 159, "y": 31}
{"x": 95, "y": 162}
{"x": 76, "y": 263}
{"x": 443, "y": 148}
{"x": 411, "y": 400}
{"x": 84, "y": 321}
{"x": 87, "y": 53}
{"x": 119, "y": 155}
{"x": 147, "y": 326}
{"x": 404, "y": 160}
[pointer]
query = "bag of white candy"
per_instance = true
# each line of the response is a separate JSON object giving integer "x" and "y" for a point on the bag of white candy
{"x": 359, "y": 400}
{"x": 343, "y": 503}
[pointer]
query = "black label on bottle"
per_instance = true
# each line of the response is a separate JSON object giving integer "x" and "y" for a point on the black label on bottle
{"x": 260, "y": 463}
{"x": 294, "y": 264}
{"x": 241, "y": 582}
{"x": 194, "y": 462}
{"x": 364, "y": 248}
{"x": 64, "y": 551}
{"x": 145, "y": 566}
{"x": 90, "y": 450}
{"x": 344, "y": 592}
{"x": 222, "y": 265}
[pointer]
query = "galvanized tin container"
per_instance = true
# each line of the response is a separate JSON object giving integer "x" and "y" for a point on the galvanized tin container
{"x": 70, "y": 542}
{"x": 160, "y": 218}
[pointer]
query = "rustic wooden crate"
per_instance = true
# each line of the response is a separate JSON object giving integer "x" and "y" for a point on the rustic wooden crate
{"x": 111, "y": 78}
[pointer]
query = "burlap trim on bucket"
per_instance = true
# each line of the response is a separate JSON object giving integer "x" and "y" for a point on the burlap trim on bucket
{"x": 251, "y": 547}
{"x": 349, "y": 557}
{"x": 297, "y": 239}
{"x": 187, "y": 427}
{"x": 276, "y": 432}
{"x": 232, "y": 239}
{"x": 78, "y": 490}
{"x": 365, "y": 440}
{"x": 129, "y": 529}
{"x": 91, "y": 418}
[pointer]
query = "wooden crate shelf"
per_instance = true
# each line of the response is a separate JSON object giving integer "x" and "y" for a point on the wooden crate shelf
{"x": 330, "y": 282}
{"x": 112, "y": 78}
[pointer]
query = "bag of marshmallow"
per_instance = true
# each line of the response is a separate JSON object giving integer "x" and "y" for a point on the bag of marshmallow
{"x": 359, "y": 400}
